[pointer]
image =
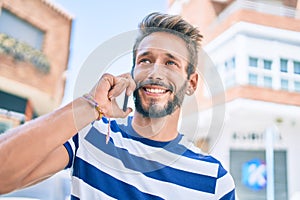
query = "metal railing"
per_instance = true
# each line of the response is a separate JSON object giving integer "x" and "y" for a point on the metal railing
{"x": 261, "y": 7}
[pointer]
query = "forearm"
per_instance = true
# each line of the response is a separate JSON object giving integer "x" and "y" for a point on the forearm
{"x": 34, "y": 150}
{"x": 22, "y": 149}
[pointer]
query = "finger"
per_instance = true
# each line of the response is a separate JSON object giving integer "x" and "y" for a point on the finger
{"x": 103, "y": 86}
{"x": 107, "y": 82}
{"x": 116, "y": 90}
{"x": 126, "y": 113}
{"x": 118, "y": 112}
{"x": 131, "y": 87}
{"x": 121, "y": 85}
{"x": 112, "y": 109}
{"x": 131, "y": 84}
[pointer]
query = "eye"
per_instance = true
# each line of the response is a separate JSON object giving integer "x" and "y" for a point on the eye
{"x": 171, "y": 63}
{"x": 144, "y": 61}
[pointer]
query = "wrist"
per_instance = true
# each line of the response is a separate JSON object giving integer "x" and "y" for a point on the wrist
{"x": 83, "y": 113}
{"x": 94, "y": 104}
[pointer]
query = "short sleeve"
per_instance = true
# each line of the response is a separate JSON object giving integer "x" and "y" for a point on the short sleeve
{"x": 71, "y": 147}
{"x": 225, "y": 188}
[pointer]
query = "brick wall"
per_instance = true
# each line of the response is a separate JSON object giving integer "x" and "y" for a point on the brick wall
{"x": 57, "y": 27}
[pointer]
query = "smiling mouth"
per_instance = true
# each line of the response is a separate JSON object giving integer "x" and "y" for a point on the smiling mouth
{"x": 155, "y": 90}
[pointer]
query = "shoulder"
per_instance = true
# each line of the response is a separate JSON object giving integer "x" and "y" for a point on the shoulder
{"x": 200, "y": 158}
{"x": 196, "y": 153}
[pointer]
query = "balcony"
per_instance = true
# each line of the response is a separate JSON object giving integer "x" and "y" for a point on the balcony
{"x": 270, "y": 14}
{"x": 272, "y": 9}
{"x": 22, "y": 52}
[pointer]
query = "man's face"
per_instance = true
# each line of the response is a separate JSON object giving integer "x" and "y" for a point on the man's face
{"x": 160, "y": 74}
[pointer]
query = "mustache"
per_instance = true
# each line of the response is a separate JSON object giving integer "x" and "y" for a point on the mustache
{"x": 154, "y": 82}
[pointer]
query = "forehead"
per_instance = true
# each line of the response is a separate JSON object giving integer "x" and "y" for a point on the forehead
{"x": 166, "y": 43}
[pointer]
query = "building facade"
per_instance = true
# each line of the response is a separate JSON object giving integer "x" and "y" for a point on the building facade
{"x": 254, "y": 45}
{"x": 34, "y": 53}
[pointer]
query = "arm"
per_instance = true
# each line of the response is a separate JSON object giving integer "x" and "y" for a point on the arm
{"x": 23, "y": 149}
{"x": 34, "y": 151}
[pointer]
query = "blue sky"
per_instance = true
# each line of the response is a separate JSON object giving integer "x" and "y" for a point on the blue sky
{"x": 97, "y": 21}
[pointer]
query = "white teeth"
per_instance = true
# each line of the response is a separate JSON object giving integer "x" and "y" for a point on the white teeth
{"x": 155, "y": 90}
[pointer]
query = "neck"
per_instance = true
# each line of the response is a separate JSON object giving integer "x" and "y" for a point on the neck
{"x": 158, "y": 129}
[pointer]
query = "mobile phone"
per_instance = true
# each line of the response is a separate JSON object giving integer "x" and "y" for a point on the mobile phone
{"x": 125, "y": 102}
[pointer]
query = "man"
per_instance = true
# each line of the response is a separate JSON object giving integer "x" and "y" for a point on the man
{"x": 144, "y": 159}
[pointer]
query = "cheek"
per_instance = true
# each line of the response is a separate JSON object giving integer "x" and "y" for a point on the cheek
{"x": 176, "y": 78}
{"x": 139, "y": 76}
{"x": 140, "y": 73}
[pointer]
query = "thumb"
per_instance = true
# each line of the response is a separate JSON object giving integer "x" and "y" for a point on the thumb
{"x": 127, "y": 112}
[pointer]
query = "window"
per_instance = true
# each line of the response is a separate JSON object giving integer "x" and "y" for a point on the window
{"x": 296, "y": 67}
{"x": 253, "y": 62}
{"x": 233, "y": 62}
{"x": 297, "y": 86}
{"x": 284, "y": 84}
{"x": 252, "y": 79}
{"x": 268, "y": 81}
{"x": 21, "y": 30}
{"x": 268, "y": 64}
{"x": 230, "y": 64}
{"x": 284, "y": 65}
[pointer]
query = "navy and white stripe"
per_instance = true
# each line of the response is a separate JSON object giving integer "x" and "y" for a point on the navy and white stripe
{"x": 131, "y": 167}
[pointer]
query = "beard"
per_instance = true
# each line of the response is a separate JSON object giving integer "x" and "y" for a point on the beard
{"x": 154, "y": 110}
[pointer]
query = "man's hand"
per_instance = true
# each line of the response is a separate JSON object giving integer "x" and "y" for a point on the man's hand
{"x": 106, "y": 91}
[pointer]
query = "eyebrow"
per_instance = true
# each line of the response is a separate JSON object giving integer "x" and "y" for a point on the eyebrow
{"x": 146, "y": 53}
{"x": 171, "y": 56}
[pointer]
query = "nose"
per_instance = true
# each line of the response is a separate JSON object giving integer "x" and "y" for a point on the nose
{"x": 156, "y": 72}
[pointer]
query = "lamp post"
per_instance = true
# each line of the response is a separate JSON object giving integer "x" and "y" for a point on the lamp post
{"x": 271, "y": 134}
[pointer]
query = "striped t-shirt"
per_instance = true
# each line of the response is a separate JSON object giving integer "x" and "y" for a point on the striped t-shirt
{"x": 132, "y": 167}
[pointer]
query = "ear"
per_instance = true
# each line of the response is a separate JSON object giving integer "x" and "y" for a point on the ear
{"x": 192, "y": 83}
